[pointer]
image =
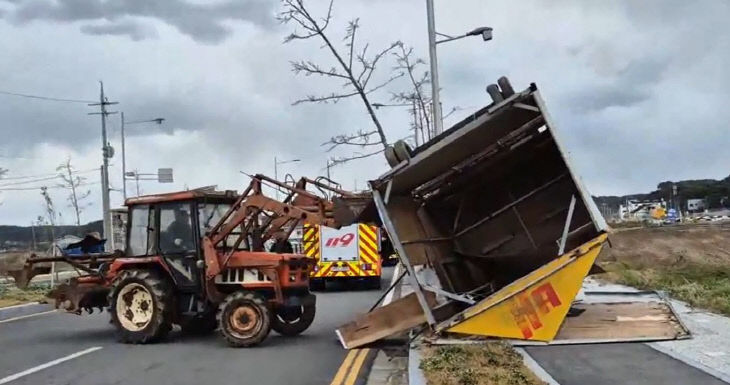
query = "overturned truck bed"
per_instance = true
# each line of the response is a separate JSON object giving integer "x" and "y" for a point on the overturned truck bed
{"x": 492, "y": 225}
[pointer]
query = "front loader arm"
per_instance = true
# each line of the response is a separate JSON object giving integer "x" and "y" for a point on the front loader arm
{"x": 259, "y": 217}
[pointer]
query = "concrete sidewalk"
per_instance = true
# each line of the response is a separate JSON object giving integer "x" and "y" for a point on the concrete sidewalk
{"x": 622, "y": 363}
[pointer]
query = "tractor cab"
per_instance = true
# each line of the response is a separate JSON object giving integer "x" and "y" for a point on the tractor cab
{"x": 171, "y": 227}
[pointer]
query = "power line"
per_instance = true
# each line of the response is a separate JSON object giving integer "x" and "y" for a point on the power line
{"x": 45, "y": 97}
{"x": 2, "y": 179}
{"x": 39, "y": 187}
{"x": 29, "y": 181}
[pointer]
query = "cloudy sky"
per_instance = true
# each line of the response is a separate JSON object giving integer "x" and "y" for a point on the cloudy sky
{"x": 639, "y": 87}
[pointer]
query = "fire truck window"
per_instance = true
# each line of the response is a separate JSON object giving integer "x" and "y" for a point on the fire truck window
{"x": 176, "y": 228}
{"x": 138, "y": 230}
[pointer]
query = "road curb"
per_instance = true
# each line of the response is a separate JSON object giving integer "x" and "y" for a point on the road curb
{"x": 535, "y": 367}
{"x": 415, "y": 374}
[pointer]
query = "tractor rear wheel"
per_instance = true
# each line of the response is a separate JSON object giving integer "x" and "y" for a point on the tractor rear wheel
{"x": 290, "y": 322}
{"x": 140, "y": 304}
{"x": 244, "y": 319}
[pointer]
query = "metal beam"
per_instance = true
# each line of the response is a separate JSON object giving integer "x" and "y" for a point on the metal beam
{"x": 412, "y": 278}
{"x": 564, "y": 238}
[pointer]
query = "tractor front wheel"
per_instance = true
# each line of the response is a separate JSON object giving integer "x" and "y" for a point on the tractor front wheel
{"x": 293, "y": 321}
{"x": 244, "y": 319}
{"x": 140, "y": 304}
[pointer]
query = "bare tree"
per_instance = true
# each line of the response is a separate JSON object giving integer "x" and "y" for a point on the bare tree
{"x": 422, "y": 122}
{"x": 72, "y": 182}
{"x": 355, "y": 68}
{"x": 50, "y": 212}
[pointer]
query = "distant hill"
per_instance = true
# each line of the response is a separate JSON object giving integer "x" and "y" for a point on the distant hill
{"x": 21, "y": 237}
{"x": 716, "y": 192}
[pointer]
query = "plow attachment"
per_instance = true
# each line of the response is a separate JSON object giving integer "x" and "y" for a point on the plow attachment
{"x": 491, "y": 219}
{"x": 25, "y": 275}
{"x": 84, "y": 292}
{"x": 81, "y": 293}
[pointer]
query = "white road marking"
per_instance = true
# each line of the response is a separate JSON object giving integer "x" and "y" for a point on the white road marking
{"x": 34, "y": 369}
{"x": 27, "y": 316}
{"x": 21, "y": 305}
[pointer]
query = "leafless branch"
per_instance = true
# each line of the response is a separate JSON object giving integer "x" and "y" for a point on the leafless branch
{"x": 357, "y": 155}
{"x": 352, "y": 27}
{"x": 361, "y": 139}
{"x": 295, "y": 11}
{"x": 310, "y": 68}
{"x": 334, "y": 98}
{"x": 420, "y": 111}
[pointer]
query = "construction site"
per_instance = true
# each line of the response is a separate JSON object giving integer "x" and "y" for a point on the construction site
{"x": 471, "y": 251}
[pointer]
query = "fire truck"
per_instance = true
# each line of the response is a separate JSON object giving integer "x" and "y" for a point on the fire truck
{"x": 350, "y": 253}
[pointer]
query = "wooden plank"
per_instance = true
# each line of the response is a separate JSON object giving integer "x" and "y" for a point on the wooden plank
{"x": 622, "y": 321}
{"x": 384, "y": 321}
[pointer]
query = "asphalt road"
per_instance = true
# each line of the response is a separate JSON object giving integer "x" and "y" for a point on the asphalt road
{"x": 66, "y": 349}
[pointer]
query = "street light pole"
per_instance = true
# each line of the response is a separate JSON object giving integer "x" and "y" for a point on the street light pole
{"x": 276, "y": 170}
{"x": 435, "y": 97}
{"x": 124, "y": 156}
{"x": 485, "y": 32}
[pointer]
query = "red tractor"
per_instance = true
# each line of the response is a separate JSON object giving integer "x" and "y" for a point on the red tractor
{"x": 196, "y": 259}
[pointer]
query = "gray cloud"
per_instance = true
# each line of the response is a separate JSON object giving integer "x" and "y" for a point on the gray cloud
{"x": 637, "y": 88}
{"x": 204, "y": 23}
{"x": 134, "y": 30}
{"x": 596, "y": 99}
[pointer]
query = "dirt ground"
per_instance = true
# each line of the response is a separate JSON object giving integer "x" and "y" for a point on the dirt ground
{"x": 667, "y": 246}
{"x": 691, "y": 262}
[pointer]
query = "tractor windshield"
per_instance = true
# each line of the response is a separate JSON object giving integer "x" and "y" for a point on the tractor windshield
{"x": 209, "y": 214}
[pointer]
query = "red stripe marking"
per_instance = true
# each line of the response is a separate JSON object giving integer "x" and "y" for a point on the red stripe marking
{"x": 369, "y": 249}
{"x": 370, "y": 236}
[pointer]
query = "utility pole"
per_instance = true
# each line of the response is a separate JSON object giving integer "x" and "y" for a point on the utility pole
{"x": 32, "y": 231}
{"x": 124, "y": 163}
{"x": 136, "y": 179}
{"x": 107, "y": 152}
{"x": 435, "y": 98}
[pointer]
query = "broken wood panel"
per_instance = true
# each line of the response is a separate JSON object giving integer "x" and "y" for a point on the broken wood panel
{"x": 622, "y": 321}
{"x": 385, "y": 321}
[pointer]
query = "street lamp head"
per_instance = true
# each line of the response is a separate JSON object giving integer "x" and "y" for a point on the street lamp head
{"x": 486, "y": 33}
{"x": 158, "y": 120}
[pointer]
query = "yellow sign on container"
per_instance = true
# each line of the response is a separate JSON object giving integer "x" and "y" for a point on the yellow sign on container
{"x": 534, "y": 306}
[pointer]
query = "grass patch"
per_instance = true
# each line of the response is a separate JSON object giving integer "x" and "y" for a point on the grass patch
{"x": 703, "y": 286}
{"x": 493, "y": 363}
{"x": 10, "y": 296}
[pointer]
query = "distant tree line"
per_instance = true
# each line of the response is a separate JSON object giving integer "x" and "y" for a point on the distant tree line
{"x": 715, "y": 192}
{"x": 23, "y": 235}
